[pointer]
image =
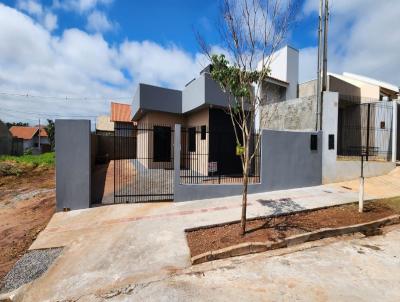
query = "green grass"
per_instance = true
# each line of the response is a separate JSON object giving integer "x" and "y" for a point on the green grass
{"x": 45, "y": 159}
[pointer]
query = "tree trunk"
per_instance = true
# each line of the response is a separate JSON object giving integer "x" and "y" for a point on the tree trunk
{"x": 244, "y": 203}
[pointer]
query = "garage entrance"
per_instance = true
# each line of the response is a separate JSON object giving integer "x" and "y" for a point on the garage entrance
{"x": 143, "y": 166}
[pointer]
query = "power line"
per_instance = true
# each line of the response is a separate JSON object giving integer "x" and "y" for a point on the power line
{"x": 46, "y": 114}
{"x": 68, "y": 98}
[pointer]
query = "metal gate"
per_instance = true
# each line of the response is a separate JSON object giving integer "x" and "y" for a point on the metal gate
{"x": 366, "y": 128}
{"x": 144, "y": 162}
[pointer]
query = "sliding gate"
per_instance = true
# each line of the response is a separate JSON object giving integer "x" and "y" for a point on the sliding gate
{"x": 143, "y": 165}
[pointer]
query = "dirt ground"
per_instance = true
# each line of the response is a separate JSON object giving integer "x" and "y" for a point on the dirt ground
{"x": 273, "y": 229}
{"x": 27, "y": 202}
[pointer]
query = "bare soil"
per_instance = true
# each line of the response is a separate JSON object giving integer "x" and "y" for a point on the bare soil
{"x": 274, "y": 229}
{"x": 27, "y": 202}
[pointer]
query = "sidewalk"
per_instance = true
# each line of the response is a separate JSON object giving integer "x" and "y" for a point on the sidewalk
{"x": 110, "y": 246}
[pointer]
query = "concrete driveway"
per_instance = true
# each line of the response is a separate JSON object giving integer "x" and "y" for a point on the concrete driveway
{"x": 133, "y": 247}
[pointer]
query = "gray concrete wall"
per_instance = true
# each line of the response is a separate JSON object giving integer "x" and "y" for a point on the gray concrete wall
{"x": 286, "y": 162}
{"x": 296, "y": 114}
{"x": 73, "y": 169}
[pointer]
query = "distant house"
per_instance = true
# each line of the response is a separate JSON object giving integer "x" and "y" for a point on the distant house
{"x": 104, "y": 125}
{"x": 121, "y": 116}
{"x": 31, "y": 137}
{"x": 5, "y": 140}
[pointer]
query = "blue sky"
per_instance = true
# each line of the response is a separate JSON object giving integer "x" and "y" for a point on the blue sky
{"x": 72, "y": 57}
{"x": 171, "y": 21}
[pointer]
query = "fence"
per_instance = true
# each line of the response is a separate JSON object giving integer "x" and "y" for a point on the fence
{"x": 365, "y": 129}
{"x": 210, "y": 157}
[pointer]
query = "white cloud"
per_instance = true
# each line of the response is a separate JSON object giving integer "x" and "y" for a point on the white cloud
{"x": 35, "y": 61}
{"x": 50, "y": 21}
{"x": 363, "y": 37}
{"x": 152, "y": 63}
{"x": 307, "y": 64}
{"x": 32, "y": 7}
{"x": 80, "y": 6}
{"x": 41, "y": 14}
{"x": 98, "y": 22}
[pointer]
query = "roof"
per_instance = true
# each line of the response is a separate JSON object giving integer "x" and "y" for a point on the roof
{"x": 277, "y": 81}
{"x": 379, "y": 83}
{"x": 25, "y": 132}
{"x": 120, "y": 112}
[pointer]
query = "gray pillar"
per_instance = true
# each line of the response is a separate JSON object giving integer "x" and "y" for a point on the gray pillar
{"x": 73, "y": 166}
{"x": 177, "y": 156}
{"x": 394, "y": 132}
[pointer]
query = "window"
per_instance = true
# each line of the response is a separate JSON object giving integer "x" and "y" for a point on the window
{"x": 192, "y": 139}
{"x": 162, "y": 144}
{"x": 203, "y": 132}
{"x": 331, "y": 141}
{"x": 383, "y": 125}
{"x": 314, "y": 142}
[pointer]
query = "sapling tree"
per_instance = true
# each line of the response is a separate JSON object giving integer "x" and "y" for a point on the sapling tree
{"x": 251, "y": 31}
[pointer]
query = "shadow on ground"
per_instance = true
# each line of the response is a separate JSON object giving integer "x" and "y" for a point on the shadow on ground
{"x": 278, "y": 206}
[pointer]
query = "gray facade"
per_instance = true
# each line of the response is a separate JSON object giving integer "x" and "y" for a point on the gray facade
{"x": 153, "y": 98}
{"x": 73, "y": 164}
{"x": 287, "y": 161}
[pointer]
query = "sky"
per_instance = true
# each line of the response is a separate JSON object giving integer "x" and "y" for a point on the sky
{"x": 69, "y": 59}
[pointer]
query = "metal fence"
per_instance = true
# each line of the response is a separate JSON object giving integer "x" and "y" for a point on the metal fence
{"x": 210, "y": 157}
{"x": 365, "y": 129}
{"x": 143, "y": 165}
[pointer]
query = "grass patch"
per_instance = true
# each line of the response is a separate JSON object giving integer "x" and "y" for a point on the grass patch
{"x": 45, "y": 159}
{"x": 18, "y": 165}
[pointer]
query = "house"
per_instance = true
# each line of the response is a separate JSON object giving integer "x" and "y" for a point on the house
{"x": 201, "y": 109}
{"x": 5, "y": 140}
{"x": 104, "y": 125}
{"x": 31, "y": 137}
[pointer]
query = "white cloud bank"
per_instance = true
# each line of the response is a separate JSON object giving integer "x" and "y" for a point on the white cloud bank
{"x": 364, "y": 38}
{"x": 77, "y": 63}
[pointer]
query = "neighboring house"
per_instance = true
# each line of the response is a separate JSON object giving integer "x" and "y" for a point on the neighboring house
{"x": 5, "y": 140}
{"x": 121, "y": 116}
{"x": 31, "y": 137}
{"x": 104, "y": 125}
{"x": 353, "y": 88}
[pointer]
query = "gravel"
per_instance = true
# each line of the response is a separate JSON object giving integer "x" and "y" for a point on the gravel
{"x": 30, "y": 267}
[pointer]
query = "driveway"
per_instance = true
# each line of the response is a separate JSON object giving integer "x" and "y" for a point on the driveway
{"x": 118, "y": 246}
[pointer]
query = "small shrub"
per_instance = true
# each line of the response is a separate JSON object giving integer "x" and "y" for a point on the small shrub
{"x": 9, "y": 169}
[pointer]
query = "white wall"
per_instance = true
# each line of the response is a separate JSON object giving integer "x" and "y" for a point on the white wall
{"x": 285, "y": 67}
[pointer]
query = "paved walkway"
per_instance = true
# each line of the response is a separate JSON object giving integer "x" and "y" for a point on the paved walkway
{"x": 112, "y": 246}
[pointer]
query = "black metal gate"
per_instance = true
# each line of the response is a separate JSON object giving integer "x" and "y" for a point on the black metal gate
{"x": 144, "y": 162}
{"x": 365, "y": 128}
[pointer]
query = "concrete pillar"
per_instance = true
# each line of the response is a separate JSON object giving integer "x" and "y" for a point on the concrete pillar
{"x": 177, "y": 156}
{"x": 330, "y": 113}
{"x": 73, "y": 164}
{"x": 394, "y": 132}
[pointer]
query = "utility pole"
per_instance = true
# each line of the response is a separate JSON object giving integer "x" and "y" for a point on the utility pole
{"x": 325, "y": 53}
{"x": 319, "y": 94}
{"x": 39, "y": 137}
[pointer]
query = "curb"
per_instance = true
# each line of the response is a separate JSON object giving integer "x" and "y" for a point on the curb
{"x": 258, "y": 247}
